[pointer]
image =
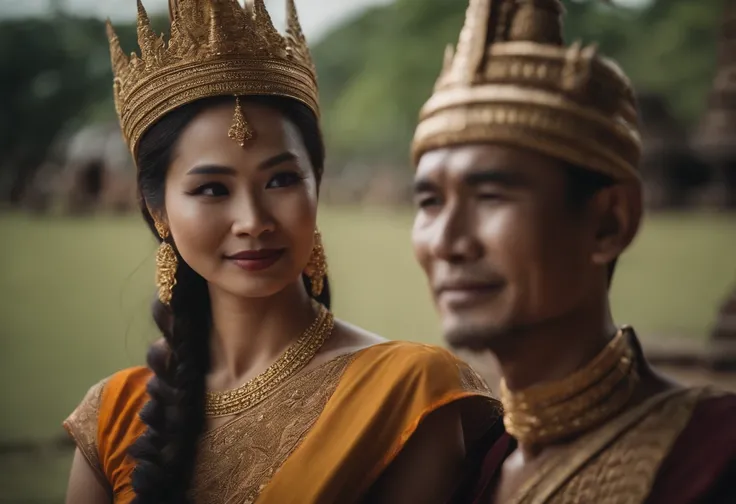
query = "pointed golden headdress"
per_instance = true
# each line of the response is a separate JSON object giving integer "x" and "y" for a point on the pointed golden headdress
{"x": 216, "y": 48}
{"x": 512, "y": 81}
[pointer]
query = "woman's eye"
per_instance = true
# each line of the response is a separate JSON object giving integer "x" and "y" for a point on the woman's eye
{"x": 211, "y": 190}
{"x": 285, "y": 179}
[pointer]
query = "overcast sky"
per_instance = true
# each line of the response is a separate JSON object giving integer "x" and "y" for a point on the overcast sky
{"x": 317, "y": 16}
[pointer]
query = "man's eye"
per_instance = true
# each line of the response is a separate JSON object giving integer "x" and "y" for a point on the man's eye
{"x": 427, "y": 201}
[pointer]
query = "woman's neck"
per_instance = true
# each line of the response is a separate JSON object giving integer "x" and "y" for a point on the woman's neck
{"x": 249, "y": 334}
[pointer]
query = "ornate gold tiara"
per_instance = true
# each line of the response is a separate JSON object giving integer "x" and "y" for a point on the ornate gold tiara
{"x": 216, "y": 48}
{"x": 512, "y": 81}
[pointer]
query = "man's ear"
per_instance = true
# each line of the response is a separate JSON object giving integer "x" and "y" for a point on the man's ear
{"x": 618, "y": 212}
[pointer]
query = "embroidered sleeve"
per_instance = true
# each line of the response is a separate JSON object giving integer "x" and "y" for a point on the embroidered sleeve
{"x": 82, "y": 426}
{"x": 471, "y": 381}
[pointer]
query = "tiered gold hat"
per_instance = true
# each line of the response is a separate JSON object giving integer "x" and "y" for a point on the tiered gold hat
{"x": 216, "y": 48}
{"x": 512, "y": 81}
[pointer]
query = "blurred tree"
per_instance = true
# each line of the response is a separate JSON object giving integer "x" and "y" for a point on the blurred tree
{"x": 388, "y": 60}
{"x": 55, "y": 76}
{"x": 672, "y": 50}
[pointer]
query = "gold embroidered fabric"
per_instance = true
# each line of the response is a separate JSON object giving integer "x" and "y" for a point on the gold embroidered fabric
{"x": 471, "y": 381}
{"x": 236, "y": 461}
{"x": 624, "y": 472}
{"x": 82, "y": 426}
{"x": 478, "y": 416}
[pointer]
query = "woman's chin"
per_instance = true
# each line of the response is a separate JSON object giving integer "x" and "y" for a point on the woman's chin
{"x": 252, "y": 287}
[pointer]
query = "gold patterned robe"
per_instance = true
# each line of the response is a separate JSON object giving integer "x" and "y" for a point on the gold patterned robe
{"x": 678, "y": 447}
{"x": 323, "y": 436}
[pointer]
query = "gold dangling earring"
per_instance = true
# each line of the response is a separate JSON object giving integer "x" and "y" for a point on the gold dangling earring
{"x": 316, "y": 268}
{"x": 166, "y": 264}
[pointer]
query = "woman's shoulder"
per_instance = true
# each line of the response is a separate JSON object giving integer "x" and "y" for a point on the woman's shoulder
{"x": 414, "y": 355}
{"x": 127, "y": 386}
{"x": 122, "y": 398}
{"x": 414, "y": 350}
{"x": 351, "y": 339}
{"x": 399, "y": 361}
{"x": 113, "y": 399}
{"x": 130, "y": 382}
{"x": 407, "y": 363}
{"x": 348, "y": 339}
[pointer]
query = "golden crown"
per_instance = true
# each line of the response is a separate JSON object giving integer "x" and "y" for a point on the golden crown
{"x": 215, "y": 48}
{"x": 512, "y": 81}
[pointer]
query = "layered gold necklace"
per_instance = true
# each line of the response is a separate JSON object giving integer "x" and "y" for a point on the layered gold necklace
{"x": 547, "y": 413}
{"x": 298, "y": 355}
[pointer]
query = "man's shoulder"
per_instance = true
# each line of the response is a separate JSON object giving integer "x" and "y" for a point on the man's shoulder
{"x": 697, "y": 466}
{"x": 714, "y": 417}
{"x": 714, "y": 408}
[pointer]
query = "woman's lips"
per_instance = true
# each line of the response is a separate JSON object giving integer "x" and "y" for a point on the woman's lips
{"x": 256, "y": 260}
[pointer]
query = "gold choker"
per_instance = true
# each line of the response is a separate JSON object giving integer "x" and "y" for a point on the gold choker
{"x": 547, "y": 413}
{"x": 294, "y": 359}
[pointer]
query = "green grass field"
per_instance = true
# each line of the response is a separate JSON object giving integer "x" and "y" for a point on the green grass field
{"x": 76, "y": 293}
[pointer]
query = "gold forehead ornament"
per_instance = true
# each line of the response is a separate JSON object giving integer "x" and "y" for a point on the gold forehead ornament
{"x": 240, "y": 131}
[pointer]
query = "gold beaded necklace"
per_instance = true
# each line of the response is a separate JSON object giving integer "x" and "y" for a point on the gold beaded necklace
{"x": 547, "y": 413}
{"x": 298, "y": 355}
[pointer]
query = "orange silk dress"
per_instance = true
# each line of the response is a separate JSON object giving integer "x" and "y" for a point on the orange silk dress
{"x": 324, "y": 436}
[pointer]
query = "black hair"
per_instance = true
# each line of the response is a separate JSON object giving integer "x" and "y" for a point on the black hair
{"x": 165, "y": 454}
{"x": 582, "y": 185}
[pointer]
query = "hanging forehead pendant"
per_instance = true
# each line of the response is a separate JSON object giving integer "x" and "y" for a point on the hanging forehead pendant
{"x": 240, "y": 131}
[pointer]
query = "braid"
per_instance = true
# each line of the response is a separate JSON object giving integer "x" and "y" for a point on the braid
{"x": 166, "y": 452}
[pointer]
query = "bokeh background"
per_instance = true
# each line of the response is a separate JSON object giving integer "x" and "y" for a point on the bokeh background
{"x": 76, "y": 263}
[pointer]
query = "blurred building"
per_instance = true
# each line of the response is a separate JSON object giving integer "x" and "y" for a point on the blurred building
{"x": 673, "y": 173}
{"x": 91, "y": 171}
{"x": 716, "y": 141}
{"x": 715, "y": 138}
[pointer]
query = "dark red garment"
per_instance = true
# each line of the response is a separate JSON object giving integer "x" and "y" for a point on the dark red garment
{"x": 700, "y": 468}
{"x": 502, "y": 448}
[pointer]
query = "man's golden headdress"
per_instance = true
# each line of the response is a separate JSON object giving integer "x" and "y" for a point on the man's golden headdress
{"x": 216, "y": 48}
{"x": 512, "y": 81}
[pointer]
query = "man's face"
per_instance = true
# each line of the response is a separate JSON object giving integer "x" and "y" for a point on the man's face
{"x": 498, "y": 241}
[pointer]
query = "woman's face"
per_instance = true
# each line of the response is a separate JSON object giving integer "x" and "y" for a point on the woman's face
{"x": 243, "y": 218}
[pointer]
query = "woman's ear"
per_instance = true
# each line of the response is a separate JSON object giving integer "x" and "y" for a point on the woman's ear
{"x": 160, "y": 221}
